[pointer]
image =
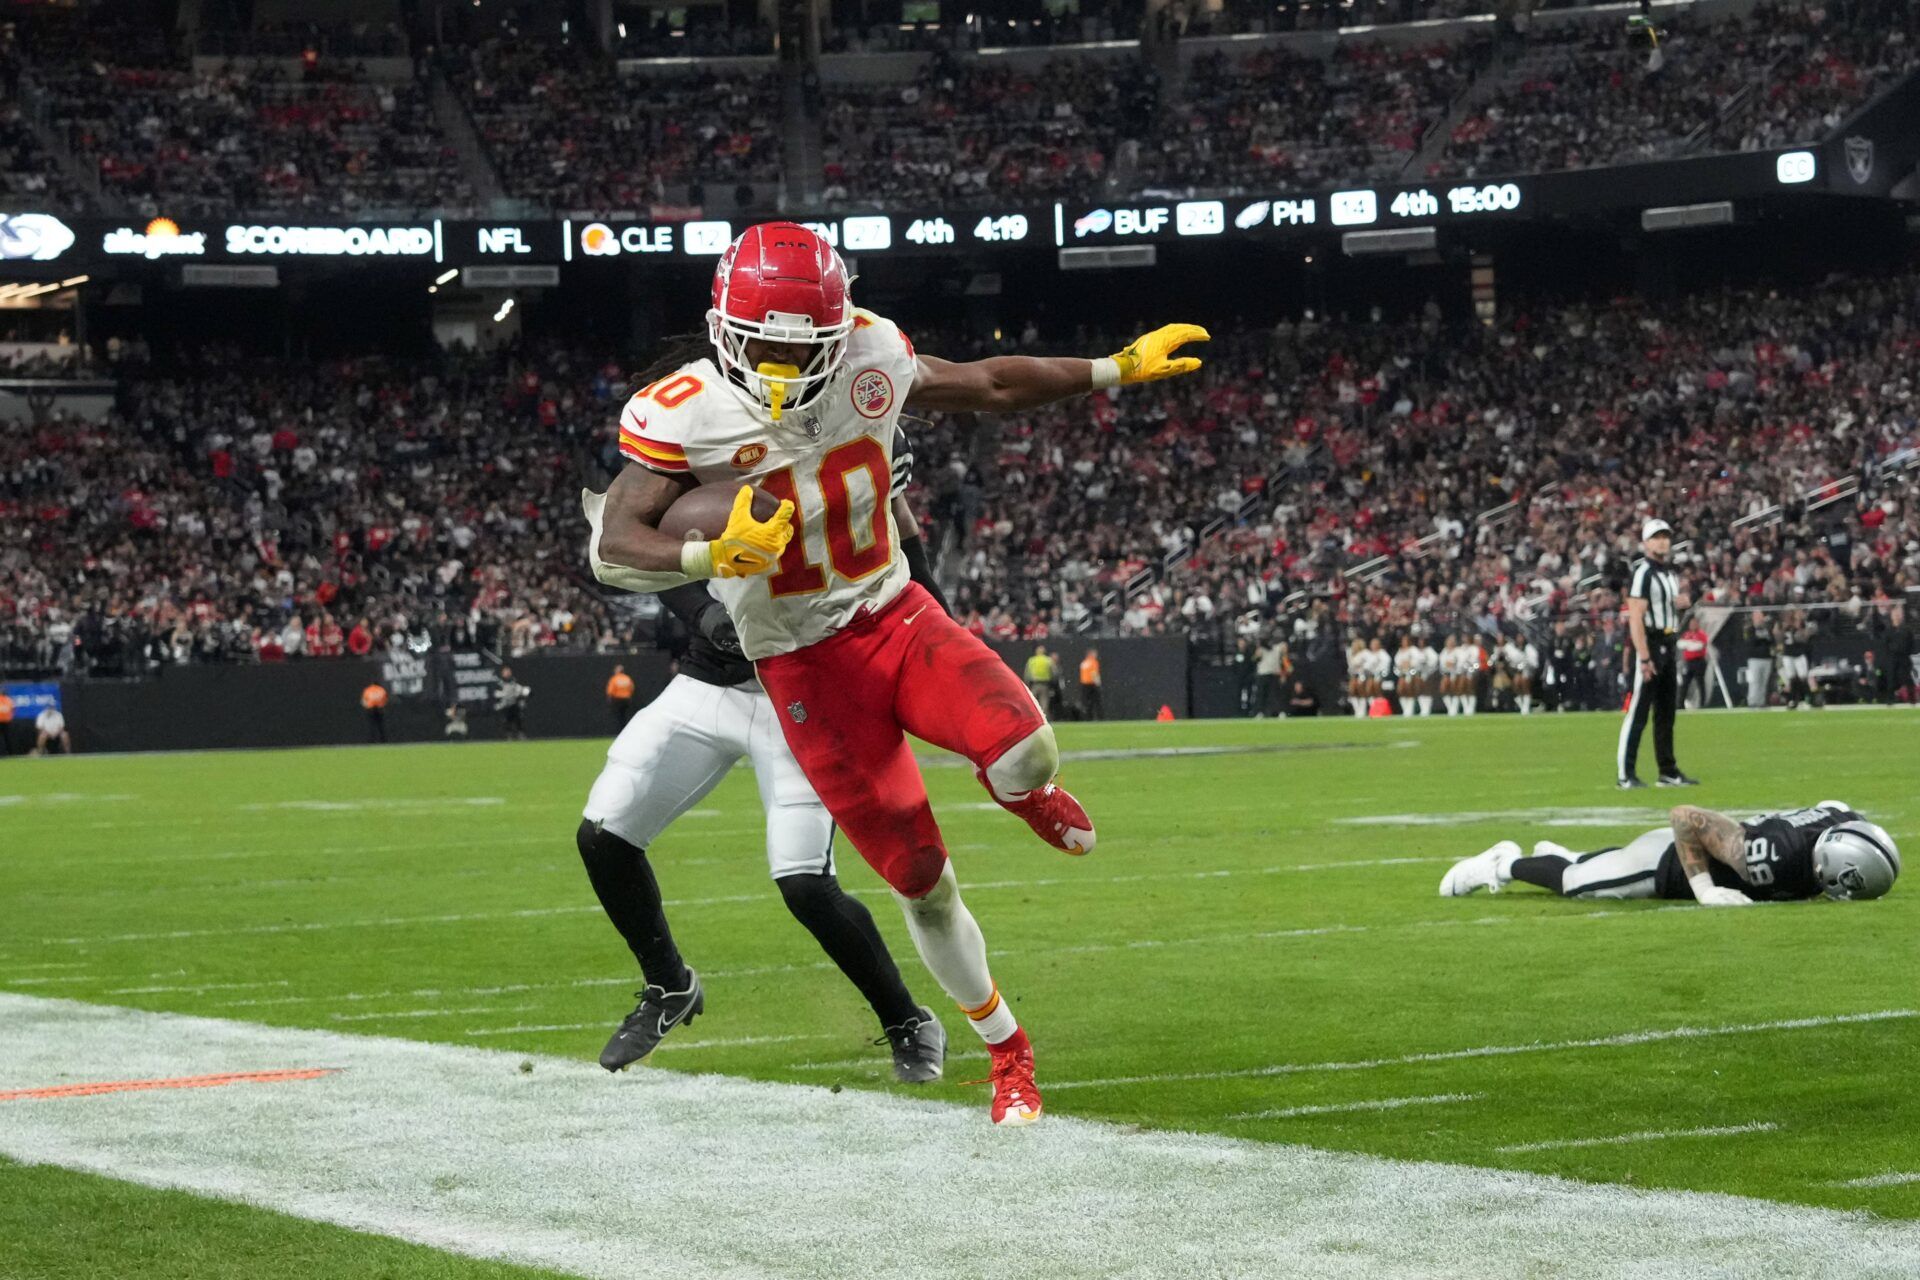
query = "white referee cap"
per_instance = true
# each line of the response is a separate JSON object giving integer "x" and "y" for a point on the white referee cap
{"x": 1653, "y": 527}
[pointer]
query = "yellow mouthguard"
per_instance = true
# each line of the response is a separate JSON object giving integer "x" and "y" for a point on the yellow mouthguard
{"x": 777, "y": 376}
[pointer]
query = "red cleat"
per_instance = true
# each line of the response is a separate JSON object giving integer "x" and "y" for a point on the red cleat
{"x": 1016, "y": 1100}
{"x": 1053, "y": 813}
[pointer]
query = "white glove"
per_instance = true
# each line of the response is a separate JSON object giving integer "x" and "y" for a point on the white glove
{"x": 619, "y": 575}
{"x": 1710, "y": 894}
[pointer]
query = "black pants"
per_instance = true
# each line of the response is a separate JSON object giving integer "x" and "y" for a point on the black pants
{"x": 622, "y": 711}
{"x": 1657, "y": 697}
{"x": 1694, "y": 677}
{"x": 376, "y": 725}
{"x": 1091, "y": 705}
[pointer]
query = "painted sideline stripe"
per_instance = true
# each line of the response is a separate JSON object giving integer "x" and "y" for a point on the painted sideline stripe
{"x": 214, "y": 1081}
{"x": 1377, "y": 1104}
{"x": 532, "y": 1149}
{"x": 1651, "y": 1135}
{"x": 1501, "y": 1050}
{"x": 1880, "y": 1180}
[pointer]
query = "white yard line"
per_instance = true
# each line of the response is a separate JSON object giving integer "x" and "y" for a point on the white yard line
{"x": 555, "y": 1163}
{"x": 1650, "y": 1135}
{"x": 1880, "y": 1180}
{"x": 391, "y": 922}
{"x": 1499, "y": 1050}
{"x": 1376, "y": 1104}
{"x": 1135, "y": 944}
{"x": 208, "y": 986}
{"x": 408, "y": 1015}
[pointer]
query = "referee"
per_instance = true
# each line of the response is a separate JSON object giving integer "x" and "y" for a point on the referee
{"x": 1653, "y": 624}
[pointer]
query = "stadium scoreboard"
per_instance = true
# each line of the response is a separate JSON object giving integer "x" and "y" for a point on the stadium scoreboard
{"x": 28, "y": 238}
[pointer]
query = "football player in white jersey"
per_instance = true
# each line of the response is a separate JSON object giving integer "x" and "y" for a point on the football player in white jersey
{"x": 675, "y": 750}
{"x": 800, "y": 396}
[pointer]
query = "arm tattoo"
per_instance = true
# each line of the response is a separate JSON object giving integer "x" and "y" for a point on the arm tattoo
{"x": 1701, "y": 833}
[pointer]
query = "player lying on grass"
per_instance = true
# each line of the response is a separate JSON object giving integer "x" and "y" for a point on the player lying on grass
{"x": 799, "y": 392}
{"x": 667, "y": 758}
{"x": 1708, "y": 857}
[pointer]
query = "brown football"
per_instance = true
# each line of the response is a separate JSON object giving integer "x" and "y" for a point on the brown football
{"x": 700, "y": 515}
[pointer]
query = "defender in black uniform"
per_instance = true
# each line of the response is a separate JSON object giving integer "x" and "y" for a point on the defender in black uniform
{"x": 1708, "y": 857}
{"x": 674, "y": 751}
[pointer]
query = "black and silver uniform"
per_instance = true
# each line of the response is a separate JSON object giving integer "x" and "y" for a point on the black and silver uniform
{"x": 1779, "y": 851}
{"x": 706, "y": 661}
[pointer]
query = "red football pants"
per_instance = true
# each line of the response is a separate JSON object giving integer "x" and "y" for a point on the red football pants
{"x": 847, "y": 703}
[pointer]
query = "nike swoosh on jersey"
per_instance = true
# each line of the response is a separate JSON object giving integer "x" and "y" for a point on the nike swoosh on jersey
{"x": 916, "y": 613}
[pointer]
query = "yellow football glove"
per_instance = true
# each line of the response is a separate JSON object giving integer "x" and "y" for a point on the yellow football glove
{"x": 1150, "y": 358}
{"x": 750, "y": 546}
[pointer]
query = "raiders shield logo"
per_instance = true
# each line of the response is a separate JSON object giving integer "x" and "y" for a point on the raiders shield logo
{"x": 872, "y": 393}
{"x": 748, "y": 456}
{"x": 798, "y": 710}
{"x": 1859, "y": 160}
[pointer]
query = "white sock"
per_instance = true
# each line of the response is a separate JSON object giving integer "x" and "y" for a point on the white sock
{"x": 1359, "y": 705}
{"x": 1026, "y": 766}
{"x": 955, "y": 953}
{"x": 1453, "y": 703}
{"x": 1473, "y": 702}
{"x": 1426, "y": 704}
{"x": 1526, "y": 703}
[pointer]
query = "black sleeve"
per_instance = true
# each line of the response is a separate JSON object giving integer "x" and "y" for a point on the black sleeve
{"x": 916, "y": 553}
{"x": 687, "y": 602}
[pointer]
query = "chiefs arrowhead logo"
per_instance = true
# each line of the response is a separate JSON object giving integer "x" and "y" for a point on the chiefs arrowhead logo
{"x": 748, "y": 456}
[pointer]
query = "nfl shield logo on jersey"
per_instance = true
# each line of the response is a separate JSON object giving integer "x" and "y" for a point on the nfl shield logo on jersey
{"x": 798, "y": 710}
{"x": 872, "y": 393}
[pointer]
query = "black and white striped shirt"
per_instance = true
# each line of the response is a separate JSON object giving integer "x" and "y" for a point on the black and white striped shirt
{"x": 1654, "y": 583}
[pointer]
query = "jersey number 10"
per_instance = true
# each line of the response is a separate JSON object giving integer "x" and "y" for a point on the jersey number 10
{"x": 799, "y": 576}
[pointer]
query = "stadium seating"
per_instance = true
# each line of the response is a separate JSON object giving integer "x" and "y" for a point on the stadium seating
{"x": 966, "y": 130}
{"x": 1584, "y": 95}
{"x": 564, "y": 130}
{"x": 1374, "y": 474}
{"x": 1275, "y": 117}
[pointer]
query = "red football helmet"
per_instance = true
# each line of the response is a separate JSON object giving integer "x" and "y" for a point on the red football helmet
{"x": 780, "y": 282}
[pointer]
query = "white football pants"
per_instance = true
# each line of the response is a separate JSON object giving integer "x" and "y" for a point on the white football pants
{"x": 1626, "y": 872}
{"x": 677, "y": 748}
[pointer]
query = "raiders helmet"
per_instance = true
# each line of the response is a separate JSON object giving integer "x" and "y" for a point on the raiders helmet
{"x": 1856, "y": 860}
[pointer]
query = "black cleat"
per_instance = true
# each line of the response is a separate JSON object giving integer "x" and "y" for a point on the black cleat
{"x": 919, "y": 1048}
{"x": 1678, "y": 780}
{"x": 658, "y": 1012}
{"x": 1631, "y": 784}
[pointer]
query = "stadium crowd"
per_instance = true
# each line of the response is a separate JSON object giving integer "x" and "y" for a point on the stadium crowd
{"x": 965, "y": 130}
{"x": 1378, "y": 477}
{"x": 241, "y": 510}
{"x": 1580, "y": 95}
{"x": 1276, "y": 116}
{"x": 565, "y": 130}
{"x": 1363, "y": 477}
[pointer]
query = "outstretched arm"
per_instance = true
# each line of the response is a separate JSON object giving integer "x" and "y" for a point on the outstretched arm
{"x": 1005, "y": 384}
{"x": 1700, "y": 834}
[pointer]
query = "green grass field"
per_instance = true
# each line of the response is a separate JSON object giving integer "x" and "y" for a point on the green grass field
{"x": 1272, "y": 905}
